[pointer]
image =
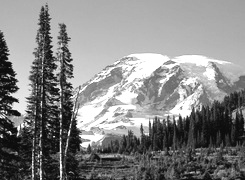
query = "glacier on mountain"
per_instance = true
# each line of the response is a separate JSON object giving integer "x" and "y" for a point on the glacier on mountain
{"x": 139, "y": 87}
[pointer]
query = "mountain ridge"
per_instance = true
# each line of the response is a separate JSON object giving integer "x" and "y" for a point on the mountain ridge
{"x": 141, "y": 86}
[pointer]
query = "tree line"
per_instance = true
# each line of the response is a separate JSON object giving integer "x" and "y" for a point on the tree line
{"x": 221, "y": 124}
{"x": 45, "y": 146}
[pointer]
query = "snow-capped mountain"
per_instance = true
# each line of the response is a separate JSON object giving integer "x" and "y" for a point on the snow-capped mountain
{"x": 141, "y": 86}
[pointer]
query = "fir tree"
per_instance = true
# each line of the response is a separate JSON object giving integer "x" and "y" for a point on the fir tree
{"x": 204, "y": 132}
{"x": 8, "y": 133}
{"x": 66, "y": 102}
{"x": 165, "y": 139}
{"x": 174, "y": 135}
{"x": 123, "y": 144}
{"x": 143, "y": 139}
{"x": 89, "y": 149}
{"x": 25, "y": 151}
{"x": 181, "y": 131}
{"x": 191, "y": 133}
{"x": 42, "y": 109}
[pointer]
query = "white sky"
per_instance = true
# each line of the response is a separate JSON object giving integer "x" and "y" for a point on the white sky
{"x": 103, "y": 31}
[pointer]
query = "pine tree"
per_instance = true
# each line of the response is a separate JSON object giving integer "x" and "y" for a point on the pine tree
{"x": 66, "y": 102}
{"x": 150, "y": 134}
{"x": 42, "y": 109}
{"x": 218, "y": 139}
{"x": 49, "y": 94}
{"x": 174, "y": 135}
{"x": 159, "y": 133}
{"x": 8, "y": 133}
{"x": 181, "y": 131}
{"x": 25, "y": 150}
{"x": 191, "y": 133}
{"x": 204, "y": 132}
{"x": 233, "y": 135}
{"x": 123, "y": 145}
{"x": 89, "y": 150}
{"x": 154, "y": 145}
{"x": 165, "y": 137}
{"x": 129, "y": 140}
{"x": 241, "y": 124}
{"x": 143, "y": 139}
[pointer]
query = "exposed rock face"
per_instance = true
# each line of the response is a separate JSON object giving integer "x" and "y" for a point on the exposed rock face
{"x": 140, "y": 86}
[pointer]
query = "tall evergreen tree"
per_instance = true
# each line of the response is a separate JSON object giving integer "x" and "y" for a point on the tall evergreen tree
{"x": 191, "y": 133}
{"x": 181, "y": 131}
{"x": 66, "y": 102}
{"x": 25, "y": 150}
{"x": 241, "y": 124}
{"x": 42, "y": 109}
{"x": 143, "y": 139}
{"x": 8, "y": 133}
{"x": 175, "y": 140}
{"x": 204, "y": 130}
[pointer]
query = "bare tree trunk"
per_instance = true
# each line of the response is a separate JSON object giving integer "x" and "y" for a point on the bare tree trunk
{"x": 33, "y": 161}
{"x": 34, "y": 140}
{"x": 61, "y": 121}
{"x": 73, "y": 118}
{"x": 42, "y": 115}
{"x": 61, "y": 149}
{"x": 41, "y": 150}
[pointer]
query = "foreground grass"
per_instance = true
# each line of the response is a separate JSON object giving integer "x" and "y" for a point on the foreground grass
{"x": 224, "y": 163}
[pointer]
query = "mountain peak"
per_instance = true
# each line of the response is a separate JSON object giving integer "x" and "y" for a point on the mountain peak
{"x": 142, "y": 86}
{"x": 149, "y": 56}
{"x": 199, "y": 60}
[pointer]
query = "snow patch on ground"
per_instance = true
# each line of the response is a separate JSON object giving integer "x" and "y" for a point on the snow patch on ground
{"x": 184, "y": 107}
{"x": 127, "y": 97}
{"x": 132, "y": 124}
{"x": 210, "y": 72}
{"x": 91, "y": 139}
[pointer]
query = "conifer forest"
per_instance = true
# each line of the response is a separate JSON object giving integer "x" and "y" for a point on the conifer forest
{"x": 207, "y": 144}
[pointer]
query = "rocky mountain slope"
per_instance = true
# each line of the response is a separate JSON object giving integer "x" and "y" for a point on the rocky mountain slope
{"x": 141, "y": 86}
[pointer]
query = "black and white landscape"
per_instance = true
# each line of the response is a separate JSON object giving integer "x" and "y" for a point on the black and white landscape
{"x": 122, "y": 90}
